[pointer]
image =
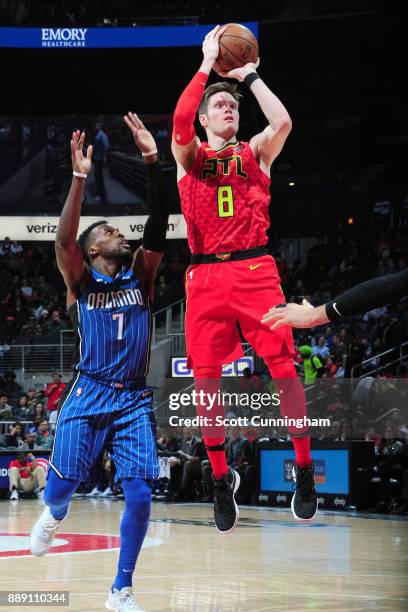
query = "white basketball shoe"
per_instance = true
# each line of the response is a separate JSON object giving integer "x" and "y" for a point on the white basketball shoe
{"x": 43, "y": 533}
{"x": 122, "y": 601}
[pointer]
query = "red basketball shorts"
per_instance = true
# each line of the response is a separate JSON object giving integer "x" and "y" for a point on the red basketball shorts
{"x": 221, "y": 294}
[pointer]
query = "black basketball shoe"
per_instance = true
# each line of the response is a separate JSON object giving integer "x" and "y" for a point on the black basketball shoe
{"x": 304, "y": 501}
{"x": 226, "y": 512}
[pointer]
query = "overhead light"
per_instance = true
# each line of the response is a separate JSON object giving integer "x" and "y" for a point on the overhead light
{"x": 291, "y": 184}
{"x": 350, "y": 220}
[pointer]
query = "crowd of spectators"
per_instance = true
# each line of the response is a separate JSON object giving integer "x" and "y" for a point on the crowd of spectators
{"x": 330, "y": 267}
{"x": 32, "y": 293}
{"x": 185, "y": 472}
{"x": 28, "y": 417}
{"x": 32, "y": 310}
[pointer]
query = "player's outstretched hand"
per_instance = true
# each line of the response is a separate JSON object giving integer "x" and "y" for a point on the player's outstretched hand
{"x": 295, "y": 315}
{"x": 80, "y": 162}
{"x": 211, "y": 43}
{"x": 143, "y": 138}
{"x": 237, "y": 73}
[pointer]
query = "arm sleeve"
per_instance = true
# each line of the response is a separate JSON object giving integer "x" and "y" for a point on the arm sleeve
{"x": 186, "y": 109}
{"x": 154, "y": 235}
{"x": 372, "y": 294}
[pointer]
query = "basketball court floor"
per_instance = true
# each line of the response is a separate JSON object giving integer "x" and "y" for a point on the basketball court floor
{"x": 338, "y": 563}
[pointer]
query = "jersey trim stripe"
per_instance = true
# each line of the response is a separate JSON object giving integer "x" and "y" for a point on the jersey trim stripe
{"x": 59, "y": 413}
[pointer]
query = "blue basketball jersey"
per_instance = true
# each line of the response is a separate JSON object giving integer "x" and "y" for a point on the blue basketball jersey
{"x": 113, "y": 319}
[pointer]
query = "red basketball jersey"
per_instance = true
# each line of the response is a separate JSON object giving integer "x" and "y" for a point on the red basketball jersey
{"x": 224, "y": 199}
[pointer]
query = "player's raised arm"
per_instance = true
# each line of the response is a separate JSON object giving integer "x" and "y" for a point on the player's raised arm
{"x": 268, "y": 144}
{"x": 185, "y": 143}
{"x": 366, "y": 296}
{"x": 148, "y": 257}
{"x": 69, "y": 255}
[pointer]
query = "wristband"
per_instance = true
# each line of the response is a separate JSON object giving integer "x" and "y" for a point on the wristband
{"x": 250, "y": 78}
{"x": 79, "y": 174}
{"x": 153, "y": 152}
{"x": 332, "y": 311}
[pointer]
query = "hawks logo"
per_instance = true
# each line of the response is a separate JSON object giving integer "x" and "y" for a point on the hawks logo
{"x": 223, "y": 256}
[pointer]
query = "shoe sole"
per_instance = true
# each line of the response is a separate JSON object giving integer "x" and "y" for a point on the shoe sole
{"x": 298, "y": 518}
{"x": 109, "y": 607}
{"x": 236, "y": 487}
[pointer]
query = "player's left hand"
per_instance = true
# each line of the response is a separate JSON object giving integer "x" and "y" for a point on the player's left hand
{"x": 237, "y": 73}
{"x": 143, "y": 138}
{"x": 80, "y": 163}
{"x": 295, "y": 315}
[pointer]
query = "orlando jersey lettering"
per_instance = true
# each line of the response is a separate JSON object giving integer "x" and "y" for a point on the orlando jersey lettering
{"x": 112, "y": 318}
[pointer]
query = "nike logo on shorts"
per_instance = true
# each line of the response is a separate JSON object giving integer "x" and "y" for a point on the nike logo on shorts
{"x": 255, "y": 266}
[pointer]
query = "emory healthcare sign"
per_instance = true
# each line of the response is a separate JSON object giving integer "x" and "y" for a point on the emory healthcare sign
{"x": 63, "y": 37}
{"x": 94, "y": 38}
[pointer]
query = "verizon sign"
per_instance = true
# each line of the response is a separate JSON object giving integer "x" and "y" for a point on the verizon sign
{"x": 45, "y": 228}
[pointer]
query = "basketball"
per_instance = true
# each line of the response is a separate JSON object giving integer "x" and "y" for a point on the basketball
{"x": 238, "y": 46}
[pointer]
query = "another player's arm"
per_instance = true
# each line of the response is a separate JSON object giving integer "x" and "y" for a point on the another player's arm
{"x": 366, "y": 296}
{"x": 147, "y": 258}
{"x": 267, "y": 145}
{"x": 185, "y": 143}
{"x": 69, "y": 255}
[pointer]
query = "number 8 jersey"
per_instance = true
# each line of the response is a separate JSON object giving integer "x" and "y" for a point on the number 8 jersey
{"x": 112, "y": 319}
{"x": 224, "y": 199}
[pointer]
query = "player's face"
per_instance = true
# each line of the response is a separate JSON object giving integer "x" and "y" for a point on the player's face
{"x": 222, "y": 117}
{"x": 110, "y": 243}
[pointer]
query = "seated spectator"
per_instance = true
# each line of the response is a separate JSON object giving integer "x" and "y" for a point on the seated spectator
{"x": 53, "y": 392}
{"x": 31, "y": 328}
{"x": 16, "y": 436}
{"x": 26, "y": 288}
{"x": 16, "y": 247}
{"x": 321, "y": 349}
{"x": 345, "y": 432}
{"x": 393, "y": 465}
{"x": 32, "y": 398}
{"x": 330, "y": 367}
{"x": 249, "y": 382}
{"x": 44, "y": 321}
{"x": 25, "y": 475}
{"x": 239, "y": 457}
{"x": 9, "y": 384}
{"x": 44, "y": 438}
{"x": 30, "y": 441}
{"x": 40, "y": 411}
{"x": 6, "y": 411}
{"x": 185, "y": 468}
{"x": 36, "y": 421}
{"x": 23, "y": 411}
{"x": 55, "y": 326}
{"x": 237, "y": 446}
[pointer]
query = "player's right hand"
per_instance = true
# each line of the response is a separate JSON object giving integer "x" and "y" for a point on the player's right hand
{"x": 80, "y": 163}
{"x": 211, "y": 43}
{"x": 295, "y": 315}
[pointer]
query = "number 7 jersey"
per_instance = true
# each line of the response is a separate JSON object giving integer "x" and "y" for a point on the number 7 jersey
{"x": 224, "y": 199}
{"x": 112, "y": 319}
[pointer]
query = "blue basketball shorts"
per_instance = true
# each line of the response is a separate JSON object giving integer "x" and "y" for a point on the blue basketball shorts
{"x": 95, "y": 416}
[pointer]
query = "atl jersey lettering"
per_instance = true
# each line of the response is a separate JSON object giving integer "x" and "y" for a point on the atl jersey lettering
{"x": 225, "y": 198}
{"x": 112, "y": 318}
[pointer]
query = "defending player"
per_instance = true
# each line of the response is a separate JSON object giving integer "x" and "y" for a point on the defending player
{"x": 366, "y": 296}
{"x": 107, "y": 404}
{"x": 224, "y": 191}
